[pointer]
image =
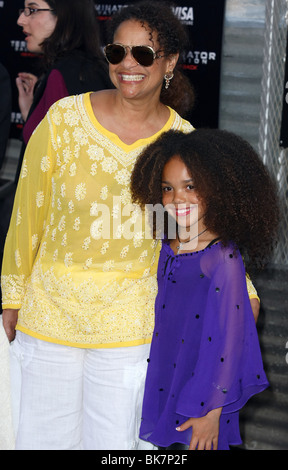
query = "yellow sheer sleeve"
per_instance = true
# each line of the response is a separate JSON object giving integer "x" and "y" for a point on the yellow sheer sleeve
{"x": 252, "y": 292}
{"x": 28, "y": 216}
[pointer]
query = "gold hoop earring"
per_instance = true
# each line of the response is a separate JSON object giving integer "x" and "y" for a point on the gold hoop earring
{"x": 168, "y": 79}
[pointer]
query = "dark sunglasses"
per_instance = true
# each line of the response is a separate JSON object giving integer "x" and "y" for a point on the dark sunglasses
{"x": 144, "y": 55}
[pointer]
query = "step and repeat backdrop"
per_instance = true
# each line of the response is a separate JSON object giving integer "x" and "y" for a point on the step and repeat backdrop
{"x": 201, "y": 62}
{"x": 284, "y": 123}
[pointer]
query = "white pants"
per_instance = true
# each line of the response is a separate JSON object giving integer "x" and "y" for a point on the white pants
{"x": 75, "y": 398}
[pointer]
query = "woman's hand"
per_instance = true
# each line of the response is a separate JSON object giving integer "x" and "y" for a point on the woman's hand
{"x": 25, "y": 83}
{"x": 205, "y": 430}
{"x": 10, "y": 318}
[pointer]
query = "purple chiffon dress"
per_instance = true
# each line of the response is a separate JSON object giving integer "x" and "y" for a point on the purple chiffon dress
{"x": 205, "y": 351}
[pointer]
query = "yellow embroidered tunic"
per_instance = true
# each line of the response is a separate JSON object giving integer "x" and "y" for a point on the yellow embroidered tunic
{"x": 77, "y": 260}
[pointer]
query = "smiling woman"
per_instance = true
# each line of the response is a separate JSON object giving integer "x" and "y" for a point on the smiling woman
{"x": 86, "y": 301}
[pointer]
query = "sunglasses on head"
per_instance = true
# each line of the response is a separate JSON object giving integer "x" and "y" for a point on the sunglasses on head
{"x": 144, "y": 55}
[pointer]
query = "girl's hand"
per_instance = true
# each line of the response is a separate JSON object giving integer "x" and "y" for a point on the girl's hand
{"x": 205, "y": 430}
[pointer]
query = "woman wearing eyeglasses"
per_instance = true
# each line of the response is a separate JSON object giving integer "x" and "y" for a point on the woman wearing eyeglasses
{"x": 79, "y": 271}
{"x": 65, "y": 34}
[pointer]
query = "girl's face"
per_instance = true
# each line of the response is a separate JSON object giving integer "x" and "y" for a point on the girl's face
{"x": 179, "y": 196}
{"x": 135, "y": 81}
{"x": 38, "y": 26}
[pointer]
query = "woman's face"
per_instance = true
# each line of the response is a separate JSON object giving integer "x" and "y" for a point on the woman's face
{"x": 179, "y": 196}
{"x": 38, "y": 26}
{"x": 135, "y": 81}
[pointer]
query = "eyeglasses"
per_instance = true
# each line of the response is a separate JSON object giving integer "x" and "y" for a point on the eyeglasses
{"x": 144, "y": 55}
{"x": 30, "y": 11}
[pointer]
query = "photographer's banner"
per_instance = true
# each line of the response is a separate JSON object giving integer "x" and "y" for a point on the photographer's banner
{"x": 201, "y": 62}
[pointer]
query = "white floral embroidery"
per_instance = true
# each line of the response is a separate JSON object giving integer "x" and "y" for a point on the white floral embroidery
{"x": 128, "y": 267}
{"x": 18, "y": 259}
{"x": 66, "y": 155}
{"x": 55, "y": 255}
{"x": 80, "y": 191}
{"x": 115, "y": 211}
{"x": 125, "y": 196}
{"x": 64, "y": 240}
{"x": 109, "y": 265}
{"x": 80, "y": 136}
{"x": 66, "y": 136}
{"x": 76, "y": 225}
{"x": 73, "y": 169}
{"x": 96, "y": 229}
{"x": 56, "y": 116}
{"x": 59, "y": 204}
{"x": 147, "y": 272}
{"x": 43, "y": 249}
{"x": 34, "y": 241}
{"x": 138, "y": 239}
{"x": 104, "y": 193}
{"x": 123, "y": 177}
{"x": 104, "y": 248}
{"x": 124, "y": 251}
{"x": 18, "y": 217}
{"x": 88, "y": 263}
{"x": 143, "y": 256}
{"x": 66, "y": 102}
{"x": 119, "y": 231}
{"x": 71, "y": 207}
{"x": 59, "y": 141}
{"x": 62, "y": 224}
{"x": 71, "y": 117}
{"x": 24, "y": 170}
{"x": 93, "y": 169}
{"x": 45, "y": 164}
{"x": 109, "y": 165}
{"x": 40, "y": 199}
{"x": 63, "y": 190}
{"x": 95, "y": 153}
{"x": 68, "y": 260}
{"x": 77, "y": 150}
{"x": 86, "y": 243}
{"x": 94, "y": 209}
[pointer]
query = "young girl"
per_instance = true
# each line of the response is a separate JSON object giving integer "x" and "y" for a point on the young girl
{"x": 205, "y": 361}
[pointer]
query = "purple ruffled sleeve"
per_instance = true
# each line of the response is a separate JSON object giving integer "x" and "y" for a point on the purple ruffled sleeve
{"x": 229, "y": 369}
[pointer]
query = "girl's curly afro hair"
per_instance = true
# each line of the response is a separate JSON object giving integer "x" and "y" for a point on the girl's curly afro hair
{"x": 241, "y": 197}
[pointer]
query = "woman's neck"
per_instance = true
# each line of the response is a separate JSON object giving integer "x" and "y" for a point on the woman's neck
{"x": 130, "y": 120}
{"x": 137, "y": 112}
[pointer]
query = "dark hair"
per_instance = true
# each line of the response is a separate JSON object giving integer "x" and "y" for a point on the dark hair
{"x": 238, "y": 192}
{"x": 76, "y": 29}
{"x": 172, "y": 38}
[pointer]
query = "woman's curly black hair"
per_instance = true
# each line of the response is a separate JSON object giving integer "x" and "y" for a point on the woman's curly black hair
{"x": 172, "y": 38}
{"x": 240, "y": 195}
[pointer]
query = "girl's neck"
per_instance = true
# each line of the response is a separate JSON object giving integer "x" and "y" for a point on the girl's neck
{"x": 194, "y": 242}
